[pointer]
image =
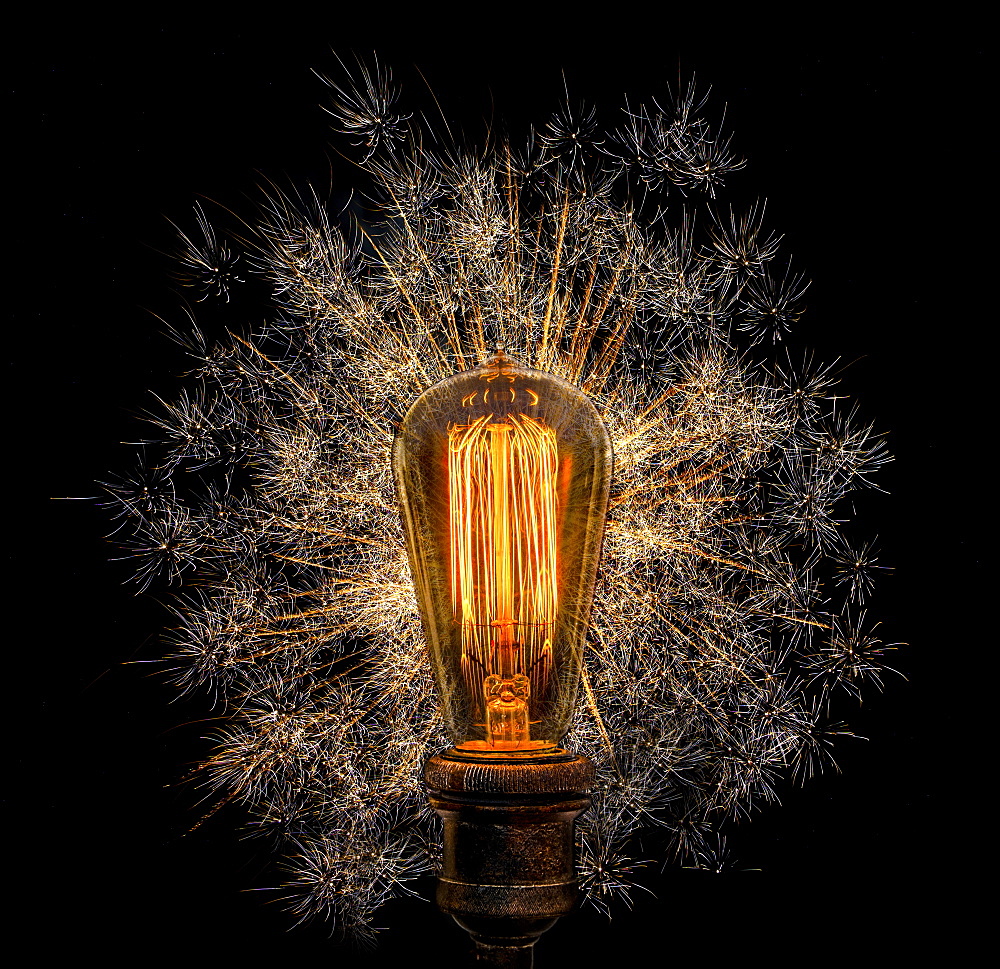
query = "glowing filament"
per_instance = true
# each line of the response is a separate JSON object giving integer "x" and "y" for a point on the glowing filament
{"x": 502, "y": 501}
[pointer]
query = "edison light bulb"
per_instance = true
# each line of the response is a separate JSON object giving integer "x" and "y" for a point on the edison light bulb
{"x": 503, "y": 475}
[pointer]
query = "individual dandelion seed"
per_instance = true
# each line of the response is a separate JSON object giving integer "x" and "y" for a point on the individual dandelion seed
{"x": 714, "y": 855}
{"x": 844, "y": 449}
{"x": 164, "y": 546}
{"x": 688, "y": 832}
{"x": 816, "y": 738}
{"x": 571, "y": 129}
{"x": 190, "y": 424}
{"x": 742, "y": 247}
{"x": 808, "y": 385}
{"x": 207, "y": 264}
{"x": 718, "y": 635}
{"x": 366, "y": 112}
{"x": 608, "y": 876}
{"x": 144, "y": 494}
{"x": 772, "y": 305}
{"x": 850, "y": 659}
{"x": 856, "y": 568}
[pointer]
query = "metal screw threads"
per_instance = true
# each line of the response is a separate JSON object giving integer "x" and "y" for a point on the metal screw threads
{"x": 508, "y": 871}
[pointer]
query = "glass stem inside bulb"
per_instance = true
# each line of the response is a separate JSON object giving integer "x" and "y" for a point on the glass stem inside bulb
{"x": 502, "y": 500}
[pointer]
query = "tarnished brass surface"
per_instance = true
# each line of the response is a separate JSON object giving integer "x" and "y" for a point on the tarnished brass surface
{"x": 508, "y": 870}
{"x": 558, "y": 772}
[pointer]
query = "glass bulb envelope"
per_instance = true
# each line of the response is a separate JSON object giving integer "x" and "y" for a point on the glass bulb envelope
{"x": 503, "y": 474}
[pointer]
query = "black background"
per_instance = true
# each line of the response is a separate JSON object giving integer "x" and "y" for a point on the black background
{"x": 865, "y": 140}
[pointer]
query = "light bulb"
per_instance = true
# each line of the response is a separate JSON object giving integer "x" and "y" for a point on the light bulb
{"x": 503, "y": 475}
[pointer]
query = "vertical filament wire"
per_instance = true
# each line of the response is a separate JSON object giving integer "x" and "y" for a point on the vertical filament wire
{"x": 502, "y": 501}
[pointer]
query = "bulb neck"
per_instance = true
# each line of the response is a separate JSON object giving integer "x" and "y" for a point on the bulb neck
{"x": 484, "y": 754}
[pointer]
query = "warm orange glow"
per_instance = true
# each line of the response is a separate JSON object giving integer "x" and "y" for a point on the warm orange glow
{"x": 503, "y": 475}
{"x": 502, "y": 479}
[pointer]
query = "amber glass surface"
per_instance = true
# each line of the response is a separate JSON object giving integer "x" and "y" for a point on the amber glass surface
{"x": 503, "y": 474}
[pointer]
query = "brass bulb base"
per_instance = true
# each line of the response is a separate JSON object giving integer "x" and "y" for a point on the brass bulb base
{"x": 508, "y": 870}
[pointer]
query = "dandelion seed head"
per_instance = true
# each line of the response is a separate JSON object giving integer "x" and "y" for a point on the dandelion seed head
{"x": 715, "y": 647}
